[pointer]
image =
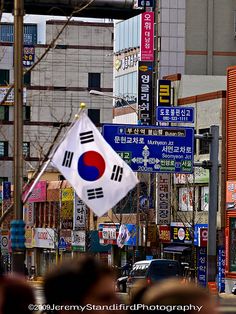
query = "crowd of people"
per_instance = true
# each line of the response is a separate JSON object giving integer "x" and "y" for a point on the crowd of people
{"x": 86, "y": 285}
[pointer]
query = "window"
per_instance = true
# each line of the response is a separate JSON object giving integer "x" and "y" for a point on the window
{"x": 204, "y": 147}
{"x": 186, "y": 199}
{"x": 26, "y": 113}
{"x": 7, "y": 33}
{"x": 27, "y": 79}
{"x": 94, "y": 115}
{"x": 94, "y": 80}
{"x": 3, "y": 149}
{"x": 4, "y": 113}
{"x": 4, "y": 77}
{"x": 26, "y": 149}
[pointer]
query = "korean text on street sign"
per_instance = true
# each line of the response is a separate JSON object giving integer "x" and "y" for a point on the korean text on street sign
{"x": 175, "y": 114}
{"x": 153, "y": 149}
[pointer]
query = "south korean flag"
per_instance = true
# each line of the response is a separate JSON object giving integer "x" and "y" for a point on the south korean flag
{"x": 96, "y": 172}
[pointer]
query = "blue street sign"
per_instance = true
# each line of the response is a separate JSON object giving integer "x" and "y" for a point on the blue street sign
{"x": 175, "y": 114}
{"x": 152, "y": 149}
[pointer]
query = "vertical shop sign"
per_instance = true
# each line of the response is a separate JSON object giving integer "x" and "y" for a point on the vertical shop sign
{"x": 202, "y": 266}
{"x": 80, "y": 212}
{"x": 221, "y": 269}
{"x": 164, "y": 93}
{"x": 145, "y": 93}
{"x": 147, "y": 36}
{"x": 163, "y": 200}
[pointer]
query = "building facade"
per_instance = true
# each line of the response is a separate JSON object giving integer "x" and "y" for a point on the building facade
{"x": 78, "y": 62}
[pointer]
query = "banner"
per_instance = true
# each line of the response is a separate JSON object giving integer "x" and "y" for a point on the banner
{"x": 202, "y": 266}
{"x": 221, "y": 269}
{"x": 78, "y": 240}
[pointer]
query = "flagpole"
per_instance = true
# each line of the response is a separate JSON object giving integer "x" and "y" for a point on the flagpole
{"x": 82, "y": 107}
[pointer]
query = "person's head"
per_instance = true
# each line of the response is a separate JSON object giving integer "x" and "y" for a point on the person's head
{"x": 173, "y": 295}
{"x": 80, "y": 282}
{"x": 15, "y": 295}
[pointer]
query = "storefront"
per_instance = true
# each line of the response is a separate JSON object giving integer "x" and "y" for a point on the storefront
{"x": 44, "y": 239}
{"x": 181, "y": 243}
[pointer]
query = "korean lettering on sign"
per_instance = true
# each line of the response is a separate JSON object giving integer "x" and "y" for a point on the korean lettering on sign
{"x": 147, "y": 36}
{"x": 180, "y": 235}
{"x": 80, "y": 212}
{"x": 164, "y": 93}
{"x": 145, "y": 93}
{"x": 163, "y": 199}
{"x": 164, "y": 234}
{"x": 202, "y": 266}
{"x": 221, "y": 269}
{"x": 28, "y": 56}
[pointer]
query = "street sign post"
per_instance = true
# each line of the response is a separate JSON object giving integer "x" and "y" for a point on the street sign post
{"x": 175, "y": 114}
{"x": 153, "y": 149}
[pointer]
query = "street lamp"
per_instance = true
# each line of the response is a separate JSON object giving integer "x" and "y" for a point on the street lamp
{"x": 98, "y": 93}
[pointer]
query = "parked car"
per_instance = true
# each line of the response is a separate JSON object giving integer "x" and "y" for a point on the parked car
{"x": 234, "y": 289}
{"x": 153, "y": 271}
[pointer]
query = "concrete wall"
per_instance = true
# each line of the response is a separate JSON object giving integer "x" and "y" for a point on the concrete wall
{"x": 210, "y": 38}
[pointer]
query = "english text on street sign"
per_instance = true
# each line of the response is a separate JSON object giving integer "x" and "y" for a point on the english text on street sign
{"x": 175, "y": 114}
{"x": 153, "y": 149}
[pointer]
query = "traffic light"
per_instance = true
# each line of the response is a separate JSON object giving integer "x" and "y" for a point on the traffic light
{"x": 17, "y": 235}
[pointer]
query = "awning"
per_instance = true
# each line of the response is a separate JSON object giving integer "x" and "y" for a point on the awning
{"x": 176, "y": 249}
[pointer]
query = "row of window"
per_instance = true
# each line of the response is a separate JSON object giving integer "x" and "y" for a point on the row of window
{"x": 94, "y": 79}
{"x": 29, "y": 33}
{"x": 4, "y": 149}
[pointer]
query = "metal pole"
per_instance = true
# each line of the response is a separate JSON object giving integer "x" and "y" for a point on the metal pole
{"x": 18, "y": 256}
{"x": 137, "y": 225}
{"x": 213, "y": 204}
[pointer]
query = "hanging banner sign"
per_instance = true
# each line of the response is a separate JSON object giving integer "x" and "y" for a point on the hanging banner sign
{"x": 221, "y": 269}
{"x": 147, "y": 36}
{"x": 78, "y": 240}
{"x": 67, "y": 195}
{"x": 29, "y": 214}
{"x": 163, "y": 199}
{"x": 80, "y": 212}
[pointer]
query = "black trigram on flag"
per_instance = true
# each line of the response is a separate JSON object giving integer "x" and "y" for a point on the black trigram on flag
{"x": 67, "y": 159}
{"x": 86, "y": 137}
{"x": 117, "y": 173}
{"x": 95, "y": 193}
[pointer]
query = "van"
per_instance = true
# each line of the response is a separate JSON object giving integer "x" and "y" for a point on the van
{"x": 153, "y": 271}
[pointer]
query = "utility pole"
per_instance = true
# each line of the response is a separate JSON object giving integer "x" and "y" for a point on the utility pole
{"x": 17, "y": 225}
{"x": 213, "y": 204}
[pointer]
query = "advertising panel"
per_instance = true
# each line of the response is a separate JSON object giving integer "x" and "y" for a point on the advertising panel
{"x": 231, "y": 195}
{"x": 78, "y": 240}
{"x": 221, "y": 269}
{"x": 164, "y": 234}
{"x": 108, "y": 233}
{"x": 163, "y": 199}
{"x": 145, "y": 92}
{"x": 67, "y": 195}
{"x": 180, "y": 233}
{"x": 186, "y": 199}
{"x": 80, "y": 212}
{"x": 39, "y": 192}
{"x": 164, "y": 93}
{"x": 147, "y": 36}
{"x": 202, "y": 266}
{"x": 44, "y": 238}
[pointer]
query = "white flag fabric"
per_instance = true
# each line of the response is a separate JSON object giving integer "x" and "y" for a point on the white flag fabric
{"x": 96, "y": 172}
